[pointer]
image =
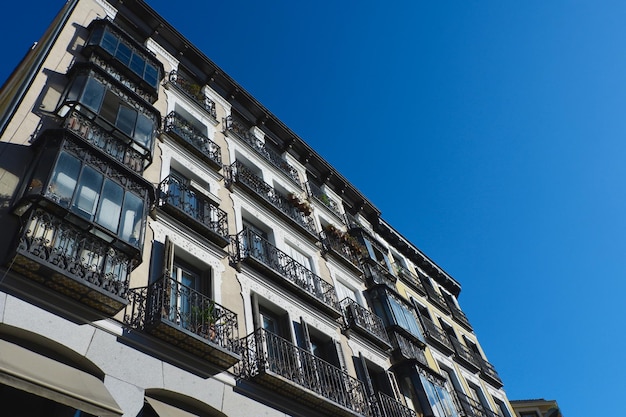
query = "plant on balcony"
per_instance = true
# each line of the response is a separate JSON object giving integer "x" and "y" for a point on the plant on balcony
{"x": 301, "y": 204}
{"x": 203, "y": 320}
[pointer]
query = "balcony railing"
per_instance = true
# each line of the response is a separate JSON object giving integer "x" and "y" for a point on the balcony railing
{"x": 240, "y": 174}
{"x": 387, "y": 406}
{"x": 488, "y": 371}
{"x": 289, "y": 370}
{"x": 410, "y": 278}
{"x": 248, "y": 246}
{"x": 436, "y": 334}
{"x": 333, "y": 244}
{"x": 436, "y": 298}
{"x": 472, "y": 408}
{"x": 236, "y": 127}
{"x": 195, "y": 209}
{"x": 316, "y": 192}
{"x": 183, "y": 317}
{"x": 94, "y": 134}
{"x": 193, "y": 91}
{"x": 406, "y": 349}
{"x": 378, "y": 274}
{"x": 464, "y": 354}
{"x": 193, "y": 139}
{"x": 365, "y": 322}
{"x": 74, "y": 262}
{"x": 458, "y": 315}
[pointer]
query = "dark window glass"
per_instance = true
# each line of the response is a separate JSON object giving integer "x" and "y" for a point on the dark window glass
{"x": 137, "y": 64}
{"x": 109, "y": 42}
{"x": 110, "y": 206}
{"x": 77, "y": 87}
{"x": 126, "y": 119}
{"x": 93, "y": 94}
{"x": 144, "y": 130}
{"x": 132, "y": 215}
{"x": 123, "y": 53}
{"x": 63, "y": 180}
{"x": 151, "y": 75}
{"x": 87, "y": 194}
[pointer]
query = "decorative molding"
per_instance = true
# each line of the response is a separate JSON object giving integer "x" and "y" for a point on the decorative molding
{"x": 218, "y": 99}
{"x": 375, "y": 356}
{"x": 171, "y": 150}
{"x": 110, "y": 10}
{"x": 154, "y": 46}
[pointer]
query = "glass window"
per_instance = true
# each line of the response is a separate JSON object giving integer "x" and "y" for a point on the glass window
{"x": 87, "y": 193}
{"x": 110, "y": 205}
{"x": 109, "y": 42}
{"x": 132, "y": 215}
{"x": 93, "y": 94}
{"x": 405, "y": 318}
{"x": 63, "y": 180}
{"x": 137, "y": 64}
{"x": 439, "y": 399}
{"x": 126, "y": 118}
{"x": 144, "y": 130}
{"x": 123, "y": 53}
{"x": 151, "y": 75}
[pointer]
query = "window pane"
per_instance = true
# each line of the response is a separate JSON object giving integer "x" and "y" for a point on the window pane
{"x": 132, "y": 213}
{"x": 123, "y": 53}
{"x": 126, "y": 118}
{"x": 137, "y": 64}
{"x": 93, "y": 94}
{"x": 87, "y": 193}
{"x": 110, "y": 205}
{"x": 151, "y": 75}
{"x": 144, "y": 131}
{"x": 77, "y": 87}
{"x": 63, "y": 179}
{"x": 109, "y": 42}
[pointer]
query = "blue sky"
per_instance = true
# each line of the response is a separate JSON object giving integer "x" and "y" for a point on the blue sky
{"x": 490, "y": 133}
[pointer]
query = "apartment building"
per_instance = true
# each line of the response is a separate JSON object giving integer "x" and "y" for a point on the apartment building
{"x": 537, "y": 407}
{"x": 172, "y": 249}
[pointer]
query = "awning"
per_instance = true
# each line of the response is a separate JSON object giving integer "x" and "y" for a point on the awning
{"x": 166, "y": 410}
{"x": 28, "y": 371}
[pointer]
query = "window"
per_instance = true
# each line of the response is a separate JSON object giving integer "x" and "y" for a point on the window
{"x": 398, "y": 314}
{"x": 439, "y": 398}
{"x": 87, "y": 193}
{"x": 501, "y": 409}
{"x": 345, "y": 291}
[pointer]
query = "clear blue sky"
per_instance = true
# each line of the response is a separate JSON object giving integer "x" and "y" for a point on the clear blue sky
{"x": 491, "y": 133}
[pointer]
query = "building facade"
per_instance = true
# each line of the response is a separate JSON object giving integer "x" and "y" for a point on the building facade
{"x": 536, "y": 408}
{"x": 172, "y": 248}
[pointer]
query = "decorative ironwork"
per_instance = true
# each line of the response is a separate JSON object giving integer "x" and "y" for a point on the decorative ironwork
{"x": 193, "y": 91}
{"x": 74, "y": 262}
{"x": 124, "y": 80}
{"x": 315, "y": 191}
{"x": 333, "y": 243}
{"x": 186, "y": 318}
{"x": 379, "y": 274}
{"x": 189, "y": 134}
{"x": 464, "y": 354}
{"x": 387, "y": 406}
{"x": 109, "y": 144}
{"x": 268, "y": 358}
{"x": 408, "y": 349}
{"x": 410, "y": 278}
{"x": 435, "y": 297}
{"x": 235, "y": 126}
{"x": 248, "y": 245}
{"x": 366, "y": 322}
{"x": 436, "y": 334}
{"x": 195, "y": 206}
{"x": 458, "y": 315}
{"x": 488, "y": 371}
{"x": 473, "y": 408}
{"x": 239, "y": 173}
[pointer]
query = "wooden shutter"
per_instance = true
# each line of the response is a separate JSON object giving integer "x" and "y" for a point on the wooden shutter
{"x": 365, "y": 375}
{"x": 168, "y": 257}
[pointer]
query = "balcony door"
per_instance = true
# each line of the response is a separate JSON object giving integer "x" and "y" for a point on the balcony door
{"x": 303, "y": 276}
{"x": 255, "y": 243}
{"x": 181, "y": 195}
{"x": 184, "y": 295}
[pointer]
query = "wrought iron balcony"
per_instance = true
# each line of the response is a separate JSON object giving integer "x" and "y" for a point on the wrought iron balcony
{"x": 73, "y": 261}
{"x": 194, "y": 209}
{"x": 237, "y": 128}
{"x": 469, "y": 407}
{"x": 185, "y": 318}
{"x": 274, "y": 362}
{"x": 194, "y": 140}
{"x": 488, "y": 371}
{"x": 332, "y": 242}
{"x": 464, "y": 355}
{"x": 249, "y": 247}
{"x": 410, "y": 278}
{"x": 458, "y": 315}
{"x": 94, "y": 134}
{"x": 378, "y": 274}
{"x": 385, "y": 406}
{"x": 365, "y": 322}
{"x": 238, "y": 173}
{"x": 316, "y": 192}
{"x": 436, "y": 298}
{"x": 437, "y": 335}
{"x": 193, "y": 91}
{"x": 406, "y": 349}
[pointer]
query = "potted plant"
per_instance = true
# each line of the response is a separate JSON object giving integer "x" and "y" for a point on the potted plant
{"x": 203, "y": 319}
